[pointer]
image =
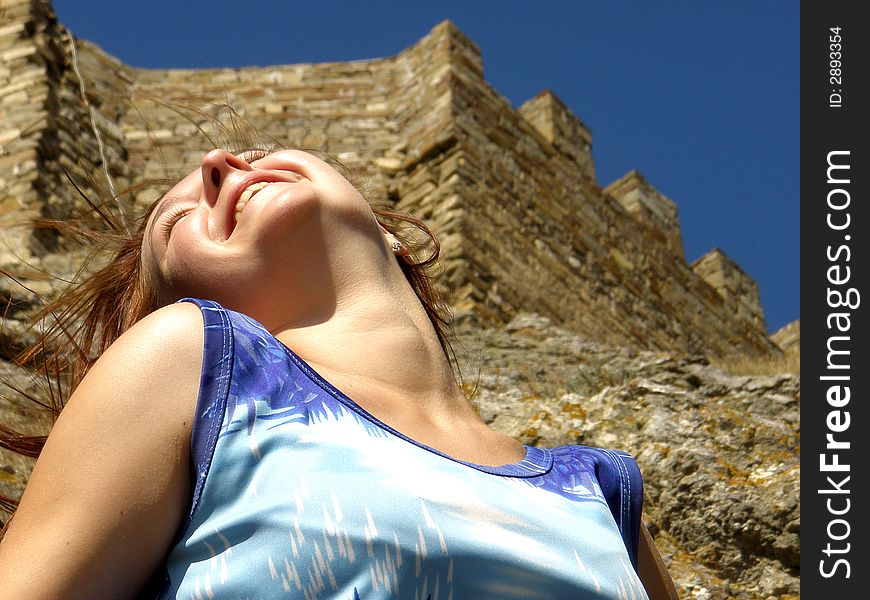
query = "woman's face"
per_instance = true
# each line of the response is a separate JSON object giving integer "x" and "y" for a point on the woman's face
{"x": 255, "y": 235}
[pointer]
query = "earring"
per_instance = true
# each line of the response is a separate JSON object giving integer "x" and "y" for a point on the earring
{"x": 397, "y": 246}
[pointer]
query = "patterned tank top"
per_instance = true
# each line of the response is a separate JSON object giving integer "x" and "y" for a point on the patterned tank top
{"x": 301, "y": 493}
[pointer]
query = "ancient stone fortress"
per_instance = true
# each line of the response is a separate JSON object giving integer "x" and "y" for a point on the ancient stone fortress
{"x": 511, "y": 193}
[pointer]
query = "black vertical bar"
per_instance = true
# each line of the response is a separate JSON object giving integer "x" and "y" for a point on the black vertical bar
{"x": 835, "y": 368}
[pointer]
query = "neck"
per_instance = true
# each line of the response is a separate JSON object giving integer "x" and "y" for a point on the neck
{"x": 381, "y": 350}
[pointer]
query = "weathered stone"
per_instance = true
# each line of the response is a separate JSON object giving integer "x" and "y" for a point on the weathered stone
{"x": 788, "y": 338}
{"x": 649, "y": 207}
{"x": 719, "y": 453}
{"x": 733, "y": 284}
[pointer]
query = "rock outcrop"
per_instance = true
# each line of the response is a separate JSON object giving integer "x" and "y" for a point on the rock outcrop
{"x": 719, "y": 452}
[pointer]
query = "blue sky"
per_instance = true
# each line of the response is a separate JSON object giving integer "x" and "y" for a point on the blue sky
{"x": 701, "y": 97}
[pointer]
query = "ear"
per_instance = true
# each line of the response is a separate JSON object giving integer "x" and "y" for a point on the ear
{"x": 394, "y": 243}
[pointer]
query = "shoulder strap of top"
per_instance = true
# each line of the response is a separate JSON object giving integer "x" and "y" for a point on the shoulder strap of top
{"x": 214, "y": 386}
{"x": 622, "y": 485}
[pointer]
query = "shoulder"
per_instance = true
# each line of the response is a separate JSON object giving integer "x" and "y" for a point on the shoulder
{"x": 168, "y": 340}
{"x": 156, "y": 364}
{"x": 114, "y": 473}
{"x": 175, "y": 326}
{"x": 601, "y": 457}
{"x": 151, "y": 372}
{"x": 617, "y": 471}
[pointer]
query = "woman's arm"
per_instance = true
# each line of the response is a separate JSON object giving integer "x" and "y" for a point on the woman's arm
{"x": 652, "y": 570}
{"x": 111, "y": 486}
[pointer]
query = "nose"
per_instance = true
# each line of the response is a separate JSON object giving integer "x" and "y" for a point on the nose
{"x": 216, "y": 166}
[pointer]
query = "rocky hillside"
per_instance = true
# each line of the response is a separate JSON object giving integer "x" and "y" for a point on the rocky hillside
{"x": 719, "y": 452}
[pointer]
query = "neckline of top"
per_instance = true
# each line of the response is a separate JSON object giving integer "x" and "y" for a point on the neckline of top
{"x": 536, "y": 462}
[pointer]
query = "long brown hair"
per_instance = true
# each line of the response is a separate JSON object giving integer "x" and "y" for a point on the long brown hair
{"x": 102, "y": 303}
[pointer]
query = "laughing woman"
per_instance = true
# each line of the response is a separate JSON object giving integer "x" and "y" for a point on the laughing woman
{"x": 273, "y": 414}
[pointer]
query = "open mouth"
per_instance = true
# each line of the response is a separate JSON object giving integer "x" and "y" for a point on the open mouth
{"x": 249, "y": 193}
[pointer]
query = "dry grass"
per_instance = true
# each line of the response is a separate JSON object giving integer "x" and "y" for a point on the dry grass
{"x": 753, "y": 365}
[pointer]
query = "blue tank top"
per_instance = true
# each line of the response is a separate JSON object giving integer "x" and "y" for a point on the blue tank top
{"x": 300, "y": 493}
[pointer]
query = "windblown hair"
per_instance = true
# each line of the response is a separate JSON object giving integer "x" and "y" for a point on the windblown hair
{"x": 94, "y": 311}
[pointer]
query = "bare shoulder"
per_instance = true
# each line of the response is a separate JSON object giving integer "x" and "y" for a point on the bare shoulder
{"x": 114, "y": 473}
{"x": 155, "y": 365}
{"x": 148, "y": 379}
{"x": 170, "y": 337}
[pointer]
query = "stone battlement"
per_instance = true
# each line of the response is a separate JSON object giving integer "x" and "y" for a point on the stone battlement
{"x": 510, "y": 192}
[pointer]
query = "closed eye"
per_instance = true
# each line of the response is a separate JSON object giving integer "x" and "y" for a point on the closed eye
{"x": 252, "y": 154}
{"x": 171, "y": 218}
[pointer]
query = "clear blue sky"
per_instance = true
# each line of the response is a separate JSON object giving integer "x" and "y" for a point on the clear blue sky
{"x": 701, "y": 97}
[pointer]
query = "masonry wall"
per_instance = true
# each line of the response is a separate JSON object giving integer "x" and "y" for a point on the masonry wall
{"x": 511, "y": 193}
{"x": 61, "y": 111}
{"x": 24, "y": 96}
{"x": 730, "y": 281}
{"x": 539, "y": 232}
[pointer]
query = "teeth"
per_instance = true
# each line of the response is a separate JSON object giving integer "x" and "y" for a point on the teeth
{"x": 248, "y": 194}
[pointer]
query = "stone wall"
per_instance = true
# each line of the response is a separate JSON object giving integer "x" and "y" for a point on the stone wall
{"x": 511, "y": 192}
{"x": 59, "y": 111}
{"x": 737, "y": 288}
{"x": 656, "y": 212}
{"x": 788, "y": 338}
{"x": 24, "y": 95}
{"x": 539, "y": 232}
{"x": 562, "y": 128}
